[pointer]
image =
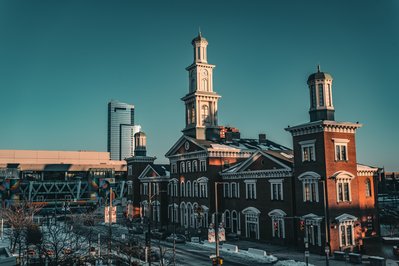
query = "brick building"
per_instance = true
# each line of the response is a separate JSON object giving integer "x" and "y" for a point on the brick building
{"x": 335, "y": 198}
{"x": 264, "y": 190}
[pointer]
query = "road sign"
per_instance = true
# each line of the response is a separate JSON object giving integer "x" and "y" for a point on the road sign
{"x": 306, "y": 253}
{"x": 221, "y": 233}
{"x": 211, "y": 235}
{"x": 113, "y": 214}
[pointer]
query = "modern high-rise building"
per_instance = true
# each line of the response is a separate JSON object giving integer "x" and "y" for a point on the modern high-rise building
{"x": 121, "y": 130}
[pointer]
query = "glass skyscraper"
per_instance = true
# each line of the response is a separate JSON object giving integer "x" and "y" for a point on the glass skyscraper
{"x": 121, "y": 130}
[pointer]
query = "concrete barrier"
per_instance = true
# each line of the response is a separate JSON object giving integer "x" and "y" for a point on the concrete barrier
{"x": 229, "y": 247}
{"x": 339, "y": 255}
{"x": 257, "y": 252}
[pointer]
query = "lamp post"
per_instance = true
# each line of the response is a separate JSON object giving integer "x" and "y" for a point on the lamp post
{"x": 217, "y": 224}
{"x": 327, "y": 246}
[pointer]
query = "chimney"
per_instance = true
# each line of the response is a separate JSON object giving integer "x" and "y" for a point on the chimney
{"x": 262, "y": 138}
{"x": 228, "y": 136}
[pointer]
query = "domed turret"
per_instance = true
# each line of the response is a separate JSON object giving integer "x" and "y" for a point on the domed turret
{"x": 320, "y": 88}
{"x": 140, "y": 144}
{"x": 200, "y": 44}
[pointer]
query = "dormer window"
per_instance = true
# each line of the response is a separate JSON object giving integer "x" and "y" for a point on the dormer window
{"x": 308, "y": 150}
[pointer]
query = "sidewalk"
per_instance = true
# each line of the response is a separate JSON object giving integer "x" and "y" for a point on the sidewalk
{"x": 290, "y": 253}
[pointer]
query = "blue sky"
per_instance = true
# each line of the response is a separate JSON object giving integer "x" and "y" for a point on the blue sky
{"x": 62, "y": 61}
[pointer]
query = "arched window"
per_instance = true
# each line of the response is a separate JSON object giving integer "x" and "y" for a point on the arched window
{"x": 192, "y": 114}
{"x": 368, "y": 188}
{"x": 182, "y": 167}
{"x": 321, "y": 95}
{"x": 251, "y": 222}
{"x": 205, "y": 84}
{"x": 190, "y": 215}
{"x": 175, "y": 189}
{"x": 188, "y": 166}
{"x": 205, "y": 115}
{"x": 193, "y": 85}
{"x": 195, "y": 166}
{"x": 182, "y": 190}
{"x": 310, "y": 186}
{"x": 188, "y": 189}
{"x": 183, "y": 210}
{"x": 227, "y": 218}
{"x": 343, "y": 186}
{"x": 234, "y": 222}
{"x": 278, "y": 226}
{"x": 195, "y": 189}
{"x": 169, "y": 189}
{"x": 312, "y": 97}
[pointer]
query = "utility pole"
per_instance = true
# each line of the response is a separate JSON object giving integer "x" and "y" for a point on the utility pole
{"x": 219, "y": 260}
{"x": 110, "y": 226}
{"x": 327, "y": 247}
{"x": 216, "y": 222}
{"x": 149, "y": 223}
{"x": 174, "y": 230}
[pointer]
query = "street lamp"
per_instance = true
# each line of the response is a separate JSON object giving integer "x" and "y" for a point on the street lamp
{"x": 327, "y": 246}
{"x": 218, "y": 259}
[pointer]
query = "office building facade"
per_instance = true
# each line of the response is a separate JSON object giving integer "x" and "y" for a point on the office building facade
{"x": 121, "y": 130}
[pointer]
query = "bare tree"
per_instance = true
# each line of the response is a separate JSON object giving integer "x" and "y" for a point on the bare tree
{"x": 60, "y": 244}
{"x": 19, "y": 217}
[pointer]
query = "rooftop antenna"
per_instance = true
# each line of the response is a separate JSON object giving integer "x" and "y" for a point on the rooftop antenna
{"x": 318, "y": 67}
{"x": 199, "y": 31}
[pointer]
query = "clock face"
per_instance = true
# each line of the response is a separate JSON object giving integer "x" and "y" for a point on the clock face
{"x": 204, "y": 73}
{"x": 187, "y": 145}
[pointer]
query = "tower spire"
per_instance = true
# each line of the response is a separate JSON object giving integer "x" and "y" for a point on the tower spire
{"x": 201, "y": 101}
{"x": 320, "y": 88}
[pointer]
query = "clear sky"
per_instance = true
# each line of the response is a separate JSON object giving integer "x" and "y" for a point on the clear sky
{"x": 62, "y": 61}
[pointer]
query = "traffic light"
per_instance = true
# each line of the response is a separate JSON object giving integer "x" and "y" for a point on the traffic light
{"x": 302, "y": 225}
{"x": 217, "y": 261}
{"x": 275, "y": 225}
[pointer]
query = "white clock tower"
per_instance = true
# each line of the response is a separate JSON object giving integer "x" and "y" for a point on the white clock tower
{"x": 201, "y": 101}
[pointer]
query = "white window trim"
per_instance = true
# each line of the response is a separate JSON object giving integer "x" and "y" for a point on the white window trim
{"x": 345, "y": 225}
{"x": 341, "y": 142}
{"x": 344, "y": 181}
{"x": 247, "y": 183}
{"x": 173, "y": 168}
{"x": 279, "y": 182}
{"x": 226, "y": 190}
{"x": 308, "y": 144}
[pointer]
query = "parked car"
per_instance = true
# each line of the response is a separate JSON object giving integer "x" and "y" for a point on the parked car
{"x": 177, "y": 238}
{"x": 157, "y": 234}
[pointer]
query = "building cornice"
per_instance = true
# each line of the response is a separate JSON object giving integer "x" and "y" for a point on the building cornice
{"x": 141, "y": 159}
{"x": 323, "y": 126}
{"x": 257, "y": 174}
{"x": 205, "y": 65}
{"x": 215, "y": 153}
{"x": 185, "y": 156}
{"x": 154, "y": 178}
{"x": 200, "y": 95}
